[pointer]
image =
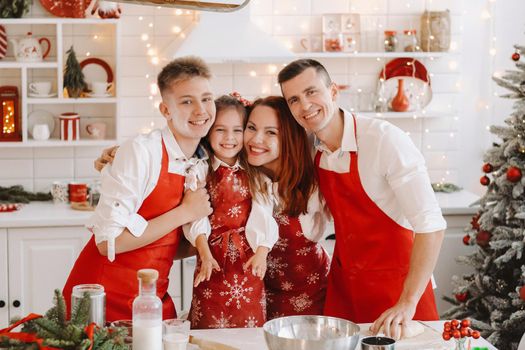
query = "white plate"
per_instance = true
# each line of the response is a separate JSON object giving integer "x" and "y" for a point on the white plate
{"x": 99, "y": 96}
{"x": 42, "y": 96}
{"x": 412, "y": 87}
{"x": 40, "y": 117}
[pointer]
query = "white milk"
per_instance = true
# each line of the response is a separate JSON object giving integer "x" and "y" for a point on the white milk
{"x": 175, "y": 341}
{"x": 147, "y": 335}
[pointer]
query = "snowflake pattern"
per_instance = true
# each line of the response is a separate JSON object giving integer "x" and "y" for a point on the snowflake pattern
{"x": 243, "y": 190}
{"x": 207, "y": 293}
{"x": 286, "y": 286}
{"x": 232, "y": 252}
{"x": 281, "y": 244}
{"x": 234, "y": 211}
{"x": 212, "y": 191}
{"x": 196, "y": 312}
{"x": 281, "y": 218}
{"x": 312, "y": 278}
{"x": 301, "y": 302}
{"x": 298, "y": 233}
{"x": 275, "y": 267}
{"x": 223, "y": 321}
{"x": 304, "y": 251}
{"x": 299, "y": 267}
{"x": 251, "y": 322}
{"x": 237, "y": 292}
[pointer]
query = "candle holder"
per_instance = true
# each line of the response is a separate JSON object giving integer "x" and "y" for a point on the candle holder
{"x": 10, "y": 124}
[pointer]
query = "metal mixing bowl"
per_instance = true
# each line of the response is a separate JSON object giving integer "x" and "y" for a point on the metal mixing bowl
{"x": 310, "y": 333}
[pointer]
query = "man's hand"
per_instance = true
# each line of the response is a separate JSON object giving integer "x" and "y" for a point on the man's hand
{"x": 394, "y": 320}
{"x": 106, "y": 157}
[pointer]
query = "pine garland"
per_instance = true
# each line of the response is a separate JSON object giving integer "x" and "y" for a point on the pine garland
{"x": 56, "y": 331}
{"x": 17, "y": 194}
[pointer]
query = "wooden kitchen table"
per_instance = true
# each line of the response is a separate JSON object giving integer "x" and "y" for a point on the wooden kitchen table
{"x": 253, "y": 338}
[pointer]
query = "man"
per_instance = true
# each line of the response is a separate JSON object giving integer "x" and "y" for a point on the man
{"x": 388, "y": 224}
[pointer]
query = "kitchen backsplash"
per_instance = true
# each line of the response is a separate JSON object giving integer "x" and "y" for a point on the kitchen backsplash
{"x": 288, "y": 20}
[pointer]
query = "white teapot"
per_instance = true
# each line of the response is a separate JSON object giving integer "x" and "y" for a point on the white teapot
{"x": 28, "y": 49}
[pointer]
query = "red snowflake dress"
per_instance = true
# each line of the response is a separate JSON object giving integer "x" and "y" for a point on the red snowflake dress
{"x": 296, "y": 277}
{"x": 231, "y": 298}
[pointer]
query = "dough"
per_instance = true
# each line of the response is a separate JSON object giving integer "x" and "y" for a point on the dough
{"x": 413, "y": 329}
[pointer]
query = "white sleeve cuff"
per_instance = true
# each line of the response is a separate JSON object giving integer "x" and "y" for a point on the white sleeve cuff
{"x": 193, "y": 229}
{"x": 136, "y": 224}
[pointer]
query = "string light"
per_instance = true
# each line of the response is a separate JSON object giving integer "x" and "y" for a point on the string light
{"x": 144, "y": 37}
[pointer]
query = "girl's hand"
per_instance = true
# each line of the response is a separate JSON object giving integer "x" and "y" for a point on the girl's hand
{"x": 106, "y": 157}
{"x": 258, "y": 262}
{"x": 197, "y": 203}
{"x": 207, "y": 266}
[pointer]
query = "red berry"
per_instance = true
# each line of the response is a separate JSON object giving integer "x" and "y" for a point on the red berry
{"x": 487, "y": 168}
{"x": 446, "y": 335}
{"x": 464, "y": 332}
{"x": 447, "y": 323}
{"x": 465, "y": 323}
{"x": 454, "y": 323}
{"x": 485, "y": 181}
{"x": 475, "y": 334}
{"x": 456, "y": 334}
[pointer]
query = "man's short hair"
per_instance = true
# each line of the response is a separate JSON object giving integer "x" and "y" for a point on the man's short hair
{"x": 181, "y": 69}
{"x": 296, "y": 67}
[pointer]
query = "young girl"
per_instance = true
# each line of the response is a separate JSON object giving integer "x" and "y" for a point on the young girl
{"x": 229, "y": 289}
{"x": 297, "y": 265}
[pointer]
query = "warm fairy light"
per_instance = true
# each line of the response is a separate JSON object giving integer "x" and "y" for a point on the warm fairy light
{"x": 150, "y": 97}
{"x": 95, "y": 37}
{"x": 152, "y": 124}
{"x": 429, "y": 147}
{"x": 253, "y": 73}
{"x": 144, "y": 37}
{"x": 451, "y": 134}
{"x": 427, "y": 131}
{"x": 150, "y": 25}
{"x": 492, "y": 51}
{"x": 453, "y": 45}
{"x": 88, "y": 54}
{"x": 178, "y": 12}
{"x": 272, "y": 69}
{"x": 176, "y": 29}
{"x": 148, "y": 45}
{"x": 141, "y": 18}
{"x": 151, "y": 52}
{"x": 453, "y": 65}
{"x": 182, "y": 35}
{"x": 153, "y": 89}
{"x": 485, "y": 14}
{"x": 155, "y": 60}
{"x": 147, "y": 76}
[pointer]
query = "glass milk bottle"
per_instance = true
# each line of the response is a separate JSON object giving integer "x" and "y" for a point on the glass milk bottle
{"x": 147, "y": 313}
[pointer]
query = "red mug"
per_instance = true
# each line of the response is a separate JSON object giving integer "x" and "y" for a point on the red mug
{"x": 78, "y": 192}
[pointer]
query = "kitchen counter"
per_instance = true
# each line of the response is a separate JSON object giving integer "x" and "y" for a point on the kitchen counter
{"x": 39, "y": 214}
{"x": 253, "y": 338}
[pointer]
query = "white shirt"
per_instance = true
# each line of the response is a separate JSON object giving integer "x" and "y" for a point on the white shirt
{"x": 128, "y": 182}
{"x": 261, "y": 228}
{"x": 392, "y": 172}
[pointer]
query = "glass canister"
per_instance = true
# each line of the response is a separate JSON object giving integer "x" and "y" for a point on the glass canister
{"x": 97, "y": 297}
{"x": 409, "y": 42}
{"x": 390, "y": 40}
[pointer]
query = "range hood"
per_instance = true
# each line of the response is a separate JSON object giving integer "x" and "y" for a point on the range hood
{"x": 229, "y": 37}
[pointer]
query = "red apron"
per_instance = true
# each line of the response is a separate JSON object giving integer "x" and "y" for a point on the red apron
{"x": 231, "y": 298}
{"x": 119, "y": 277}
{"x": 297, "y": 272}
{"x": 371, "y": 255}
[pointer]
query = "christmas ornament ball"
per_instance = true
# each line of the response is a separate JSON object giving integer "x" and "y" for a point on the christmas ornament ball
{"x": 515, "y": 56}
{"x": 485, "y": 181}
{"x": 482, "y": 238}
{"x": 522, "y": 293}
{"x": 466, "y": 240}
{"x": 462, "y": 297}
{"x": 487, "y": 168}
{"x": 513, "y": 174}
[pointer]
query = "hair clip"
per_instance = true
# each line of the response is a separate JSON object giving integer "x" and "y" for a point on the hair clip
{"x": 241, "y": 99}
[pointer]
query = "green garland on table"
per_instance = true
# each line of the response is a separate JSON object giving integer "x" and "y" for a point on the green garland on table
{"x": 17, "y": 194}
{"x": 14, "y": 8}
{"x": 445, "y": 187}
{"x": 57, "y": 332}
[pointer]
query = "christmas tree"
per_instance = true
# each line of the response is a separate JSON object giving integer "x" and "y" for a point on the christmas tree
{"x": 493, "y": 296}
{"x": 73, "y": 76}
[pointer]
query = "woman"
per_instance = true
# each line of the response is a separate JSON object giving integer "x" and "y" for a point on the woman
{"x": 298, "y": 266}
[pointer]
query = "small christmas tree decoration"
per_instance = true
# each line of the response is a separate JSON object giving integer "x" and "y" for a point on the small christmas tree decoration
{"x": 466, "y": 240}
{"x": 483, "y": 238}
{"x": 487, "y": 168}
{"x": 513, "y": 174}
{"x": 485, "y": 181}
{"x": 515, "y": 56}
{"x": 462, "y": 297}
{"x": 73, "y": 77}
{"x": 14, "y": 8}
{"x": 460, "y": 331}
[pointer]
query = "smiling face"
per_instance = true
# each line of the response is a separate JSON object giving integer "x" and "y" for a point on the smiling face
{"x": 226, "y": 135}
{"x": 189, "y": 108}
{"x": 262, "y": 139}
{"x": 310, "y": 100}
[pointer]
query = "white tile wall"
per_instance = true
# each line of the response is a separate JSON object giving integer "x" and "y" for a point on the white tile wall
{"x": 288, "y": 20}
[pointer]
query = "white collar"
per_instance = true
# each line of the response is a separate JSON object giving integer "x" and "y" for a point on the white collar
{"x": 216, "y": 163}
{"x": 348, "y": 140}
{"x": 175, "y": 154}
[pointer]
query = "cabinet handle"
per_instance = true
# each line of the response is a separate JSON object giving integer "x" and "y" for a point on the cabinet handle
{"x": 16, "y": 303}
{"x": 2, "y": 303}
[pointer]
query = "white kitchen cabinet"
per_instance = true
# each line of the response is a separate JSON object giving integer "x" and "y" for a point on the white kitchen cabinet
{"x": 40, "y": 259}
{"x": 4, "y": 296}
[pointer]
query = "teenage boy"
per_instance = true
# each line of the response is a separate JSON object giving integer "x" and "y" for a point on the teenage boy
{"x": 388, "y": 224}
{"x": 137, "y": 222}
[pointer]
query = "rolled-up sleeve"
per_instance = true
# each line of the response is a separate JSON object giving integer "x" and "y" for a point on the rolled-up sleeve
{"x": 122, "y": 193}
{"x": 261, "y": 227}
{"x": 194, "y": 175}
{"x": 407, "y": 175}
{"x": 315, "y": 221}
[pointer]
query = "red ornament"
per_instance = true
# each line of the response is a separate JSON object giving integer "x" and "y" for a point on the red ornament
{"x": 482, "y": 238}
{"x": 465, "y": 323}
{"x": 446, "y": 335}
{"x": 462, "y": 297}
{"x": 466, "y": 240}
{"x": 515, "y": 56}
{"x": 487, "y": 168}
{"x": 485, "y": 181}
{"x": 475, "y": 334}
{"x": 522, "y": 293}
{"x": 513, "y": 174}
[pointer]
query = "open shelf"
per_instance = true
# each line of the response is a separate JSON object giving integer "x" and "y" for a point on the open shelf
{"x": 55, "y": 100}
{"x": 373, "y": 54}
{"x": 407, "y": 115}
{"x": 58, "y": 143}
{"x": 27, "y": 65}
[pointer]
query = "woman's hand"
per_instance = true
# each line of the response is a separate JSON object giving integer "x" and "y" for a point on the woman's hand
{"x": 197, "y": 203}
{"x": 106, "y": 157}
{"x": 208, "y": 264}
{"x": 258, "y": 262}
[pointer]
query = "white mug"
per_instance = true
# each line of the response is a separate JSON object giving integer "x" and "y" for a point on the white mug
{"x": 100, "y": 88}
{"x": 42, "y": 88}
{"x": 41, "y": 132}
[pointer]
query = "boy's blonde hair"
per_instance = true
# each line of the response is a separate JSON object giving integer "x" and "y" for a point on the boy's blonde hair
{"x": 181, "y": 69}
